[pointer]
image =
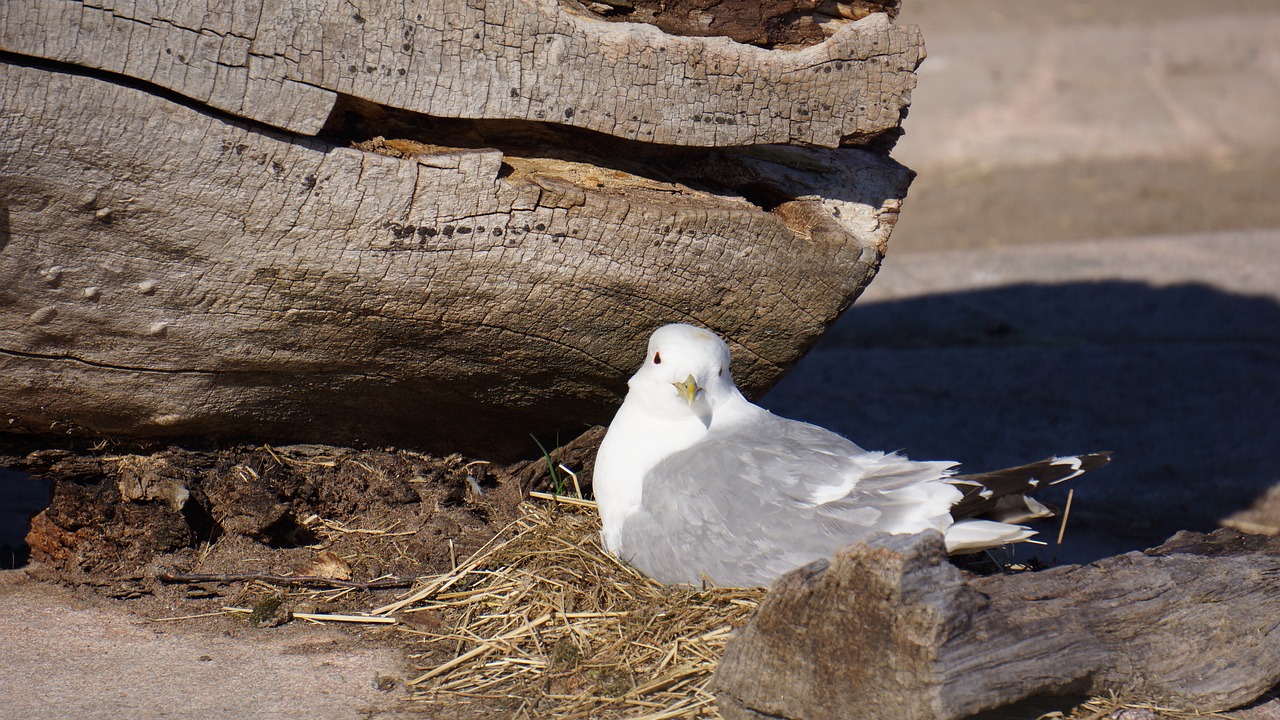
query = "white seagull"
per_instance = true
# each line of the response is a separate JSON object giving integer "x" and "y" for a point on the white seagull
{"x": 696, "y": 484}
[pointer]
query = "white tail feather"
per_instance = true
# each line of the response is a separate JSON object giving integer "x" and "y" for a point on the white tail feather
{"x": 976, "y": 535}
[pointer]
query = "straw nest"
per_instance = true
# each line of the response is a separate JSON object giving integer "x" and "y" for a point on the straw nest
{"x": 542, "y": 622}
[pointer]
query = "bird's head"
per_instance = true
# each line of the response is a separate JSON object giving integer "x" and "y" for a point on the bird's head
{"x": 685, "y": 371}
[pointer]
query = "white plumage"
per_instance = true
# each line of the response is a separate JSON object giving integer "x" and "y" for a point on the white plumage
{"x": 695, "y": 483}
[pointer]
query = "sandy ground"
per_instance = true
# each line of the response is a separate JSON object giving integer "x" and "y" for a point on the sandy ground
{"x": 73, "y": 656}
{"x": 1088, "y": 260}
{"x": 1052, "y": 122}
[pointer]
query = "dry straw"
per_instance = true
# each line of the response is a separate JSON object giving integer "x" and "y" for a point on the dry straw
{"x": 542, "y": 623}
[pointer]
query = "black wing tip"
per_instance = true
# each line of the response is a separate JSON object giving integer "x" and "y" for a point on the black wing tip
{"x": 1079, "y": 465}
{"x": 1090, "y": 461}
{"x": 1022, "y": 480}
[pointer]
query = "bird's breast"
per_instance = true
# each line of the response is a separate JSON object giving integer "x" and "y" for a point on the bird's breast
{"x": 634, "y": 444}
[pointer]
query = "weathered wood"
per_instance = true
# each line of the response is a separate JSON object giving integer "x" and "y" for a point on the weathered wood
{"x": 165, "y": 273}
{"x": 285, "y": 63}
{"x": 890, "y": 630}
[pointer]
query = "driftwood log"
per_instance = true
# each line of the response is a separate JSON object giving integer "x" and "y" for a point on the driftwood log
{"x": 502, "y": 200}
{"x": 890, "y": 630}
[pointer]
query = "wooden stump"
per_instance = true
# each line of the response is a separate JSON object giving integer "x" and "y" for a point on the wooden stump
{"x": 442, "y": 266}
{"x": 891, "y": 630}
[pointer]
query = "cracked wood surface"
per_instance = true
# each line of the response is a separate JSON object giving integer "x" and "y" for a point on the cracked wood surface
{"x": 168, "y": 273}
{"x": 892, "y": 631}
{"x": 285, "y": 64}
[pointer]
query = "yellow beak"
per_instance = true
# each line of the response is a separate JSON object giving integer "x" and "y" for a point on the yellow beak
{"x": 688, "y": 389}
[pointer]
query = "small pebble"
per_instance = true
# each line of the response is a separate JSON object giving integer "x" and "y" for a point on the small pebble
{"x": 384, "y": 682}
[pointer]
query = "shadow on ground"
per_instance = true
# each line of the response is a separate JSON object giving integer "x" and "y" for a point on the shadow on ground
{"x": 23, "y": 497}
{"x": 1181, "y": 382}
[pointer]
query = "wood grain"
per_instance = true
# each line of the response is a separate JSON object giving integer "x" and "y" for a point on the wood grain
{"x": 168, "y": 272}
{"x": 286, "y": 63}
{"x": 891, "y": 630}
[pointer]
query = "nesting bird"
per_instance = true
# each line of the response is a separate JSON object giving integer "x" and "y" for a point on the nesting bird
{"x": 695, "y": 483}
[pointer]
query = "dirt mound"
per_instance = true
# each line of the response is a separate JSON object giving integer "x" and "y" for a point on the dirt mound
{"x": 127, "y": 524}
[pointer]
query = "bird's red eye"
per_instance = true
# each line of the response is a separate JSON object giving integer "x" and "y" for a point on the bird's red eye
{"x": 657, "y": 359}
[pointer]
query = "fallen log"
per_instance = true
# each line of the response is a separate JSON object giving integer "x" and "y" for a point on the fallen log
{"x": 890, "y": 630}
{"x": 169, "y": 271}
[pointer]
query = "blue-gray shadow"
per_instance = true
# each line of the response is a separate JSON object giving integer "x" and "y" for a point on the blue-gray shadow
{"x": 1181, "y": 382}
{"x": 23, "y": 497}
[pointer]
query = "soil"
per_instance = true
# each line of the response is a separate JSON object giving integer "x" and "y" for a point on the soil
{"x": 175, "y": 537}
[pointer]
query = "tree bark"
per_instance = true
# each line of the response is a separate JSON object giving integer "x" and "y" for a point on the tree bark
{"x": 891, "y": 630}
{"x": 286, "y": 63}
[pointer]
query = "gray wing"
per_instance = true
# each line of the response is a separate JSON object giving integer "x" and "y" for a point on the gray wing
{"x": 742, "y": 507}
